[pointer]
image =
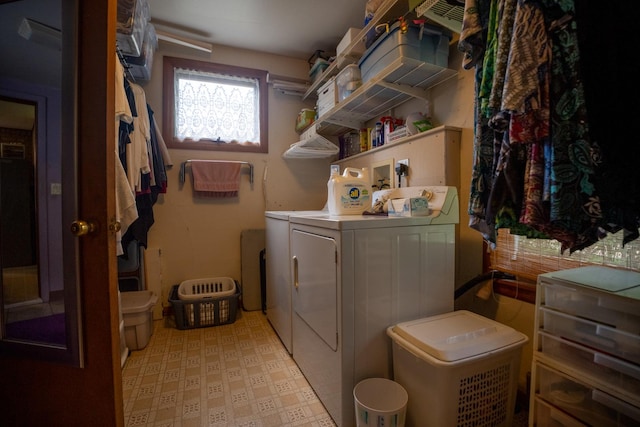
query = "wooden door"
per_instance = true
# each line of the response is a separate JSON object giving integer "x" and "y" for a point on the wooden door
{"x": 47, "y": 393}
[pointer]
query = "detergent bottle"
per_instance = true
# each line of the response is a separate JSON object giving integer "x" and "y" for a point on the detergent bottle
{"x": 349, "y": 193}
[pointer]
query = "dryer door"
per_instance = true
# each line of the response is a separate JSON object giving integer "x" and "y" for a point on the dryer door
{"x": 315, "y": 288}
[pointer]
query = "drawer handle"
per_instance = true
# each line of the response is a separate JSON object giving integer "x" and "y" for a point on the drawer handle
{"x": 617, "y": 365}
{"x": 617, "y": 404}
{"x": 295, "y": 272}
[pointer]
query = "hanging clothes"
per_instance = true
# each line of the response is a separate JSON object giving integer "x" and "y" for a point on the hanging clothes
{"x": 143, "y": 157}
{"x": 126, "y": 211}
{"x": 537, "y": 168}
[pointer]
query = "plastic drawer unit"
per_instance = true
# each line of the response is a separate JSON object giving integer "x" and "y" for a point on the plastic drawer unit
{"x": 550, "y": 416}
{"x": 586, "y": 359}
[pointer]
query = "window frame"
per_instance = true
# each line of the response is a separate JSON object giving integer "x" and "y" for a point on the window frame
{"x": 168, "y": 113}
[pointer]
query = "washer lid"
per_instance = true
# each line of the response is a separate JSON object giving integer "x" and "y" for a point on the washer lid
{"x": 458, "y": 335}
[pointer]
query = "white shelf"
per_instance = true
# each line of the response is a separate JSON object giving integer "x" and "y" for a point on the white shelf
{"x": 400, "y": 81}
{"x": 396, "y": 84}
{"x": 386, "y": 11}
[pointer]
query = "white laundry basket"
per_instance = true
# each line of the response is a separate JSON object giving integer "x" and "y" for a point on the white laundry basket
{"x": 459, "y": 368}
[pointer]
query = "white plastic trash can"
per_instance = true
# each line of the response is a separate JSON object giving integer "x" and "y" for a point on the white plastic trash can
{"x": 380, "y": 402}
{"x": 459, "y": 369}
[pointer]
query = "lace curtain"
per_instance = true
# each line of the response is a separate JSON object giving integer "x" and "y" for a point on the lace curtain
{"x": 216, "y": 107}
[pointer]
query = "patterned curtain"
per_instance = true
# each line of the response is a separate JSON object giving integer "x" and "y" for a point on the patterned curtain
{"x": 215, "y": 107}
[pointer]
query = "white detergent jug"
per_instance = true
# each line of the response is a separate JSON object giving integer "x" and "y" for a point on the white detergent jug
{"x": 349, "y": 193}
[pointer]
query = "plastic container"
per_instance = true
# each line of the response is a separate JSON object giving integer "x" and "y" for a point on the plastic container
{"x": 200, "y": 310}
{"x": 380, "y": 402}
{"x": 349, "y": 193}
{"x": 431, "y": 47}
{"x": 347, "y": 81}
{"x": 318, "y": 68}
{"x": 583, "y": 400}
{"x": 458, "y": 368}
{"x": 140, "y": 66}
{"x": 132, "y": 19}
{"x": 137, "y": 312}
{"x": 305, "y": 118}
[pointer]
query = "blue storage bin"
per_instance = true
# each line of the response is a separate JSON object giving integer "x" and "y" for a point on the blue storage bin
{"x": 432, "y": 48}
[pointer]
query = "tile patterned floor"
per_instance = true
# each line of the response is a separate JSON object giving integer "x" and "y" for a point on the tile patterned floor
{"x": 229, "y": 375}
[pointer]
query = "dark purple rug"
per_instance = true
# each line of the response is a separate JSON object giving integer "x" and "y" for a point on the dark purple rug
{"x": 48, "y": 329}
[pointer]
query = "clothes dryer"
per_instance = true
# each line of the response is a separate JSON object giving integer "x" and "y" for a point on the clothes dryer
{"x": 353, "y": 276}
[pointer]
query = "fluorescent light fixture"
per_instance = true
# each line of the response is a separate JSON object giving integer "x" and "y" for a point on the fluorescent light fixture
{"x": 184, "y": 41}
{"x": 288, "y": 85}
{"x": 40, "y": 33}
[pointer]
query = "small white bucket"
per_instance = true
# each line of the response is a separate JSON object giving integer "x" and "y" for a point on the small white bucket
{"x": 380, "y": 403}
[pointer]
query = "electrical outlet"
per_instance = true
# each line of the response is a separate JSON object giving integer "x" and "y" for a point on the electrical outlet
{"x": 404, "y": 162}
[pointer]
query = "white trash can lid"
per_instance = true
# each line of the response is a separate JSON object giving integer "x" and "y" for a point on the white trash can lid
{"x": 458, "y": 335}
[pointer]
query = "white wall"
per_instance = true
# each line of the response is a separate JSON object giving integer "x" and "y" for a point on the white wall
{"x": 197, "y": 238}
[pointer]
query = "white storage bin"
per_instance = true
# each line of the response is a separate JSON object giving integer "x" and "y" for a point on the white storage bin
{"x": 583, "y": 401}
{"x": 459, "y": 369}
{"x": 137, "y": 311}
{"x": 327, "y": 97}
{"x": 351, "y": 34}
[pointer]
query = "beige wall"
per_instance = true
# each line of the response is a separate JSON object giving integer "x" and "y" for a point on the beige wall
{"x": 195, "y": 238}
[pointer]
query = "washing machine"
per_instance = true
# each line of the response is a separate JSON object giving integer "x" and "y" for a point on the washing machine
{"x": 278, "y": 272}
{"x": 353, "y": 276}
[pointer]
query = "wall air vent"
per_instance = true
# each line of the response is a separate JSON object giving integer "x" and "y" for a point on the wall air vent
{"x": 447, "y": 13}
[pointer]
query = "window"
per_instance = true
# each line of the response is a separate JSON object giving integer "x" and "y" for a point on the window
{"x": 526, "y": 258}
{"x": 215, "y": 107}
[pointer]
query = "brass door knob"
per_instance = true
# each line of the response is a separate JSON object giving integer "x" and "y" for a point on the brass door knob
{"x": 82, "y": 228}
{"x": 115, "y": 226}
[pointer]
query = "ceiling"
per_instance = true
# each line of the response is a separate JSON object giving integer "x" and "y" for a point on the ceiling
{"x": 22, "y": 59}
{"x": 294, "y": 28}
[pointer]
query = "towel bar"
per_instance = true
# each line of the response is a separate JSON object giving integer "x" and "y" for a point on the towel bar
{"x": 184, "y": 165}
